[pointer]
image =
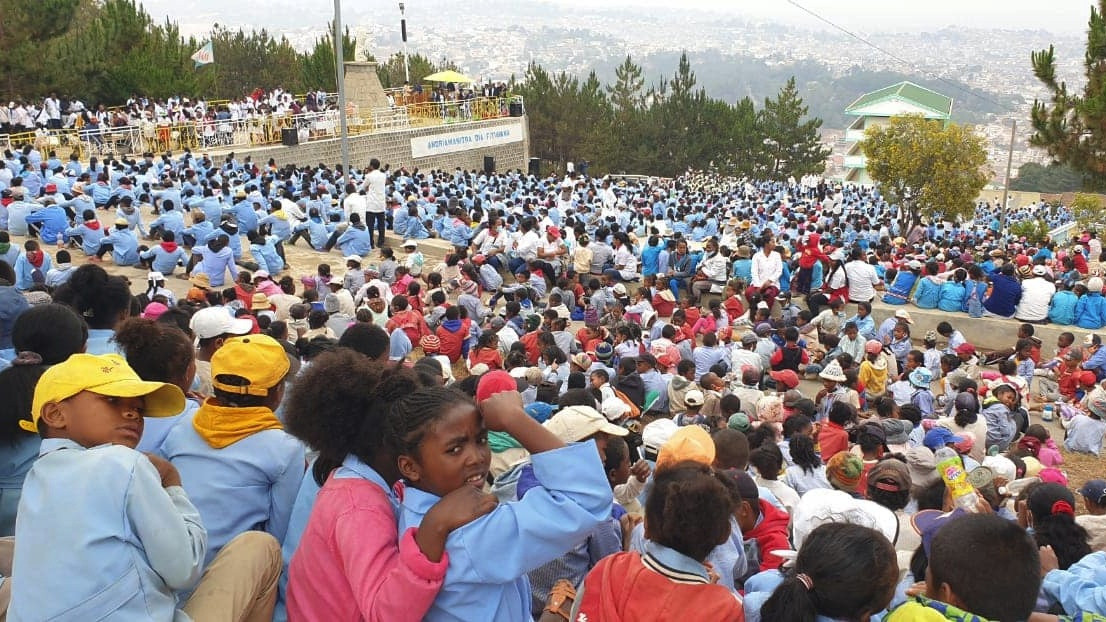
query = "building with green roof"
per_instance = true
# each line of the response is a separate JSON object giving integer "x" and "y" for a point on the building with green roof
{"x": 877, "y": 108}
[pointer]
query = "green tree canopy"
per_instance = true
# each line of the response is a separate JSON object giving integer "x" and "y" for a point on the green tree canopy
{"x": 791, "y": 140}
{"x": 1072, "y": 127}
{"x": 1053, "y": 178}
{"x": 926, "y": 168}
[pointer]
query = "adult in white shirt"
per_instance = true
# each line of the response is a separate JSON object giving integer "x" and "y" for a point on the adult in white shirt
{"x": 491, "y": 242}
{"x": 526, "y": 247}
{"x": 1037, "y": 294}
{"x": 767, "y": 265}
{"x": 713, "y": 268}
{"x": 355, "y": 203}
{"x": 863, "y": 280}
{"x": 374, "y": 187}
{"x": 625, "y": 262}
{"x": 766, "y": 268}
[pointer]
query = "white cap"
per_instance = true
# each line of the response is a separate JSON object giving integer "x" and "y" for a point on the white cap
{"x": 410, "y": 244}
{"x": 155, "y": 276}
{"x": 575, "y": 423}
{"x": 215, "y": 321}
{"x": 620, "y": 289}
{"x": 694, "y": 397}
{"x": 261, "y": 274}
{"x": 613, "y": 408}
{"x": 655, "y": 434}
{"x": 354, "y": 258}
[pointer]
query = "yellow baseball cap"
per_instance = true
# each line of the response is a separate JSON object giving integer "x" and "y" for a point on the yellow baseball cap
{"x": 258, "y": 360}
{"x": 106, "y": 374}
{"x": 690, "y": 442}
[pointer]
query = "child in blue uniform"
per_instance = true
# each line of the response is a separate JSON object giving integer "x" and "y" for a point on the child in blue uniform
{"x": 440, "y": 438}
{"x": 106, "y": 532}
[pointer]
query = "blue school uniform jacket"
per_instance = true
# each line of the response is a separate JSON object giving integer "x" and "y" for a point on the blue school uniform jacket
{"x": 951, "y": 296}
{"x": 1062, "y": 308}
{"x": 53, "y": 220}
{"x": 899, "y": 292}
{"x": 489, "y": 557}
{"x": 249, "y": 484}
{"x": 355, "y": 241}
{"x": 100, "y": 539}
{"x": 164, "y": 261}
{"x": 124, "y": 250}
{"x": 1090, "y": 311}
{"x": 927, "y": 294}
{"x": 90, "y": 238}
{"x": 171, "y": 220}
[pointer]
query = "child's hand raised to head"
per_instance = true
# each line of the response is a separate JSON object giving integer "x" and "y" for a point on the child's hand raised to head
{"x": 500, "y": 409}
{"x": 640, "y": 470}
{"x": 165, "y": 469}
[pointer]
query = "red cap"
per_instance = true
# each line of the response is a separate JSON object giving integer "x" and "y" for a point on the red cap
{"x": 554, "y": 231}
{"x": 1021, "y": 260}
{"x": 51, "y": 187}
{"x": 965, "y": 348}
{"x": 786, "y": 377}
{"x": 493, "y": 382}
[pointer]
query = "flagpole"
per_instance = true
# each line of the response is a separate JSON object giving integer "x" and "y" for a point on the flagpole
{"x": 339, "y": 52}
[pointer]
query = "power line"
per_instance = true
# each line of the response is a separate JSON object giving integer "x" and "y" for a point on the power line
{"x": 900, "y": 59}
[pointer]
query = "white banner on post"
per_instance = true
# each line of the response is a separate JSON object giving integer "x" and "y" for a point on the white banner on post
{"x": 476, "y": 138}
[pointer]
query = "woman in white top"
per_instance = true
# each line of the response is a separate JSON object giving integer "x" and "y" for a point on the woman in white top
{"x": 767, "y": 268}
{"x": 625, "y": 262}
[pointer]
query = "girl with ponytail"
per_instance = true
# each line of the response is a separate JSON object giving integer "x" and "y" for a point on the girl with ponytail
{"x": 845, "y": 572}
{"x": 1052, "y": 517}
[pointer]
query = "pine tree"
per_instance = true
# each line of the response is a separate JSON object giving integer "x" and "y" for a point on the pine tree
{"x": 1073, "y": 128}
{"x": 792, "y": 142}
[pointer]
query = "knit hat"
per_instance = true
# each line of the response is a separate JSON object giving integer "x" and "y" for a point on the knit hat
{"x": 844, "y": 470}
{"x": 430, "y": 344}
{"x": 591, "y": 317}
{"x": 604, "y": 351}
{"x": 581, "y": 360}
{"x": 833, "y": 372}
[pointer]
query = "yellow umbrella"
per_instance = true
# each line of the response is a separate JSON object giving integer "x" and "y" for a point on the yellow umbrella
{"x": 449, "y": 76}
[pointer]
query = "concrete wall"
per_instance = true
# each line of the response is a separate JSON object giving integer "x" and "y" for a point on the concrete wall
{"x": 395, "y": 148}
{"x": 986, "y": 334}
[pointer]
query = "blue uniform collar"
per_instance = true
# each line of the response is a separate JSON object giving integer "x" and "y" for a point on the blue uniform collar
{"x": 673, "y": 564}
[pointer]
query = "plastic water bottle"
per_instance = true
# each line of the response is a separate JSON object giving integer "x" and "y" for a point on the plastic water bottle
{"x": 1048, "y": 413}
{"x": 951, "y": 469}
{"x": 61, "y": 241}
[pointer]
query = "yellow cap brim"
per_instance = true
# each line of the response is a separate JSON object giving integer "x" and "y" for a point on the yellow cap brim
{"x": 162, "y": 399}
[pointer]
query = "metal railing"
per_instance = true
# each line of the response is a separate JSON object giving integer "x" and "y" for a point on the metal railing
{"x": 259, "y": 131}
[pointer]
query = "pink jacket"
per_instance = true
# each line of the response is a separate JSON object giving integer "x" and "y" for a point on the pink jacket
{"x": 348, "y": 567}
{"x": 1049, "y": 454}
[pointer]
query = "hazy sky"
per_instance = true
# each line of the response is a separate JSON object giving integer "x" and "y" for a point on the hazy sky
{"x": 1056, "y": 15}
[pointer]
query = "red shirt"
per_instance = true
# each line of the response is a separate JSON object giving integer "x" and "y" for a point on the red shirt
{"x": 487, "y": 356}
{"x": 832, "y": 439}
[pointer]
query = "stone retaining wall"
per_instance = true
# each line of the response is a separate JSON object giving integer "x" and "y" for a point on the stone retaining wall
{"x": 394, "y": 148}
